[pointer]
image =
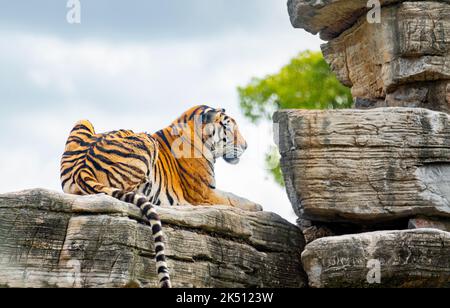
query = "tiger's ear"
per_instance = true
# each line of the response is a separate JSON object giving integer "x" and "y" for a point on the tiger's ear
{"x": 209, "y": 116}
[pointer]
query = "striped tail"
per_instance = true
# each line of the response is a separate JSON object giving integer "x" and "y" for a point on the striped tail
{"x": 149, "y": 211}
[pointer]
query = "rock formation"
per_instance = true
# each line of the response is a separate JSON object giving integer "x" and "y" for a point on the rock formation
{"x": 401, "y": 60}
{"x": 411, "y": 258}
{"x": 376, "y": 169}
{"x": 49, "y": 239}
{"x": 366, "y": 166}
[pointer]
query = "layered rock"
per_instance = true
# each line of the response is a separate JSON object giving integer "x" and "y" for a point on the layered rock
{"x": 399, "y": 59}
{"x": 410, "y": 258}
{"x": 330, "y": 18}
{"x": 354, "y": 171}
{"x": 49, "y": 239}
{"x": 402, "y": 61}
{"x": 366, "y": 166}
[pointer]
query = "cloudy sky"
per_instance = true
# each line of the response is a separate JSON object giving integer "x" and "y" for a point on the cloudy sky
{"x": 135, "y": 64}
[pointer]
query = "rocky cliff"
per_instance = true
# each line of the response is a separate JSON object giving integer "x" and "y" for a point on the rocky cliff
{"x": 394, "y": 55}
{"x": 366, "y": 166}
{"x": 48, "y": 239}
{"x": 359, "y": 179}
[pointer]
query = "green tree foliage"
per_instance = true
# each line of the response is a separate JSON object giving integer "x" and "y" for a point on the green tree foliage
{"x": 305, "y": 83}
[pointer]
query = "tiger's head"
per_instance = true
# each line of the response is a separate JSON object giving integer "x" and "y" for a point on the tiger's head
{"x": 220, "y": 135}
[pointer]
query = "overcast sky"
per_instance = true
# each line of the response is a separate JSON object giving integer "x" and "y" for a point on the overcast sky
{"x": 136, "y": 65}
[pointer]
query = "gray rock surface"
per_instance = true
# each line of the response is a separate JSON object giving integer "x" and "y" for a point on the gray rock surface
{"x": 315, "y": 232}
{"x": 328, "y": 17}
{"x": 402, "y": 61}
{"x": 331, "y": 17}
{"x": 366, "y": 166}
{"x": 410, "y": 258}
{"x": 352, "y": 171}
{"x": 48, "y": 239}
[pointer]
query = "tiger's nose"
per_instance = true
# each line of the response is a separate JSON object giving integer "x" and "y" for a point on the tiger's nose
{"x": 245, "y": 146}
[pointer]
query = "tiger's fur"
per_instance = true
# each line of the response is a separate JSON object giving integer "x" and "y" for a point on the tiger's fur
{"x": 174, "y": 166}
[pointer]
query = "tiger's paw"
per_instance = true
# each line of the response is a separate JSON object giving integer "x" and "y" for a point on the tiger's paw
{"x": 246, "y": 205}
{"x": 239, "y": 202}
{"x": 250, "y": 206}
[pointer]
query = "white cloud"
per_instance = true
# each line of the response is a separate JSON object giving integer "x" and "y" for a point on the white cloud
{"x": 140, "y": 86}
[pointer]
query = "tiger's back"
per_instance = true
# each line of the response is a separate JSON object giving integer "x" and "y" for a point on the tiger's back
{"x": 117, "y": 160}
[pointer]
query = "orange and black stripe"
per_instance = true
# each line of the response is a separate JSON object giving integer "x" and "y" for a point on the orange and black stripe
{"x": 145, "y": 170}
{"x": 116, "y": 164}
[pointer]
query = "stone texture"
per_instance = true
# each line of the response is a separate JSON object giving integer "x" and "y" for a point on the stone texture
{"x": 315, "y": 232}
{"x": 402, "y": 61}
{"x": 327, "y": 17}
{"x": 366, "y": 166}
{"x": 411, "y": 258}
{"x": 49, "y": 239}
{"x": 331, "y": 17}
{"x": 425, "y": 222}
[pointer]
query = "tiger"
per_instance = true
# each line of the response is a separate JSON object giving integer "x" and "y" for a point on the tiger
{"x": 174, "y": 166}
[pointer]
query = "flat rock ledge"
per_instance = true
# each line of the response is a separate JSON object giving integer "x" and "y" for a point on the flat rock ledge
{"x": 403, "y": 259}
{"x": 332, "y": 17}
{"x": 366, "y": 166}
{"x": 49, "y": 239}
